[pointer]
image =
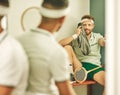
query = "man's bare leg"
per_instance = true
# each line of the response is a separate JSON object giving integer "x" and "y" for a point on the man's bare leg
{"x": 73, "y": 59}
{"x": 100, "y": 78}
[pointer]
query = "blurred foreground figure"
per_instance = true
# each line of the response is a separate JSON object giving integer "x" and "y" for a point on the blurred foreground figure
{"x": 48, "y": 60}
{"x": 13, "y": 60}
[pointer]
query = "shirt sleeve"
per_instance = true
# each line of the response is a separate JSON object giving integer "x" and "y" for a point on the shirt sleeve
{"x": 59, "y": 66}
{"x": 99, "y": 36}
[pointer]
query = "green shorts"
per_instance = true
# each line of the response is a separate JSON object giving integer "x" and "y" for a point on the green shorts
{"x": 89, "y": 66}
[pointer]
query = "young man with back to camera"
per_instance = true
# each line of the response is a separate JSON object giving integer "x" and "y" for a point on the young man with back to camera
{"x": 48, "y": 60}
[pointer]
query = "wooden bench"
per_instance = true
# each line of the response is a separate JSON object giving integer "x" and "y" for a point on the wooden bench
{"x": 87, "y": 83}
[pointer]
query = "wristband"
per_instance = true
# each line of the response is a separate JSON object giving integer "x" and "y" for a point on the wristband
{"x": 74, "y": 36}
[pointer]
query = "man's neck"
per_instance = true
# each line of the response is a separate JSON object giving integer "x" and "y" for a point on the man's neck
{"x": 51, "y": 27}
{"x": 46, "y": 28}
{"x": 89, "y": 36}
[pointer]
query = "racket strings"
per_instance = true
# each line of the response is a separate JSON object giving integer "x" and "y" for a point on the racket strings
{"x": 80, "y": 75}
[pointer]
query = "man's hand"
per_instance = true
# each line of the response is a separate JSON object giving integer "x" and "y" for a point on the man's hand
{"x": 78, "y": 31}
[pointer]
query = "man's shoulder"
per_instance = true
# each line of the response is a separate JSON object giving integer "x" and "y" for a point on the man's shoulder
{"x": 97, "y": 35}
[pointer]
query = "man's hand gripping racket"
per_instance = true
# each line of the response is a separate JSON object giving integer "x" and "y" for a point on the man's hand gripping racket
{"x": 80, "y": 74}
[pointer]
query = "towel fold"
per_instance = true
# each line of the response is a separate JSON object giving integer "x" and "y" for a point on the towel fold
{"x": 84, "y": 43}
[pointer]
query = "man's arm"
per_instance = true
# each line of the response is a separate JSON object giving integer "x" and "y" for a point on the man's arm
{"x": 65, "y": 88}
{"x": 68, "y": 40}
{"x": 4, "y": 90}
{"x": 102, "y": 42}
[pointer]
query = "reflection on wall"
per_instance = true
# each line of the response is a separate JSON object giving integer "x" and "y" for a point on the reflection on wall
{"x": 17, "y": 8}
{"x": 30, "y": 18}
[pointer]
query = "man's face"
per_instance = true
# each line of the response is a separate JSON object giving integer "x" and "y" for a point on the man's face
{"x": 88, "y": 26}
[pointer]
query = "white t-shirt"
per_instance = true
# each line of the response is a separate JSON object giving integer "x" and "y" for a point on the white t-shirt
{"x": 48, "y": 62}
{"x": 13, "y": 64}
{"x": 94, "y": 56}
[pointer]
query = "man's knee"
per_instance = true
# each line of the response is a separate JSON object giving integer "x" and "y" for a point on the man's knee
{"x": 100, "y": 77}
{"x": 100, "y": 74}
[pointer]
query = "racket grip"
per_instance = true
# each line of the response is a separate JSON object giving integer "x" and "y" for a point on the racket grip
{"x": 72, "y": 77}
{"x": 70, "y": 69}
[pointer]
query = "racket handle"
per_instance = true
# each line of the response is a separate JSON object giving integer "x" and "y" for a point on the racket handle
{"x": 94, "y": 69}
{"x": 70, "y": 68}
